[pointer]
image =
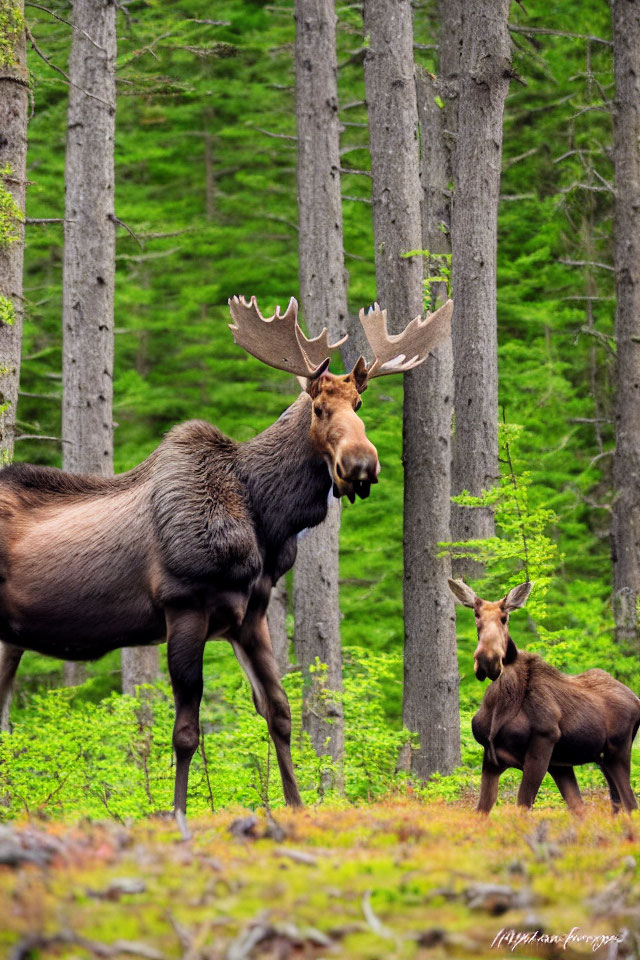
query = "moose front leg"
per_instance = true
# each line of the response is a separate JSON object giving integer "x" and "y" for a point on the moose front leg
{"x": 489, "y": 785}
{"x": 255, "y": 655}
{"x": 536, "y": 764}
{"x": 186, "y": 635}
{"x": 567, "y": 784}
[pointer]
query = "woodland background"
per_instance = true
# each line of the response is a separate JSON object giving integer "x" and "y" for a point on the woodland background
{"x": 205, "y": 164}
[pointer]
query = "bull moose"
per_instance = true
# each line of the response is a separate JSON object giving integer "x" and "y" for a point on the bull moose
{"x": 538, "y": 719}
{"x": 187, "y": 545}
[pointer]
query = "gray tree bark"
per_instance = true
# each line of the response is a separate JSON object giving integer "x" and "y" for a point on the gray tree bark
{"x": 88, "y": 273}
{"x": 625, "y": 520}
{"x": 323, "y": 293}
{"x": 430, "y": 694}
{"x": 139, "y": 665}
{"x": 431, "y": 653}
{"x": 485, "y": 69}
{"x": 14, "y": 112}
{"x": 89, "y": 242}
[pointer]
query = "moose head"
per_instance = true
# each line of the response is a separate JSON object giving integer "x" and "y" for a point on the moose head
{"x": 495, "y": 648}
{"x": 337, "y": 432}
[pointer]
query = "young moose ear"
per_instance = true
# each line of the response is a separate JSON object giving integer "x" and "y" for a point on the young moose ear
{"x": 517, "y": 596}
{"x": 462, "y": 593}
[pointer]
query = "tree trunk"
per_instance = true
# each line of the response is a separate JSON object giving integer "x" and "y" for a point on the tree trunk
{"x": 317, "y": 636}
{"x": 323, "y": 285}
{"x": 89, "y": 250}
{"x": 485, "y": 69}
{"x": 14, "y": 112}
{"x": 139, "y": 665}
{"x": 89, "y": 242}
{"x": 625, "y": 531}
{"x": 277, "y": 620}
{"x": 430, "y": 695}
{"x": 431, "y": 653}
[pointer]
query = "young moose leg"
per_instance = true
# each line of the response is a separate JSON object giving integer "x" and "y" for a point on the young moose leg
{"x": 186, "y": 635}
{"x": 9, "y": 661}
{"x": 567, "y": 784}
{"x": 489, "y": 785}
{"x": 620, "y": 772}
{"x": 536, "y": 764}
{"x": 255, "y": 655}
{"x": 613, "y": 791}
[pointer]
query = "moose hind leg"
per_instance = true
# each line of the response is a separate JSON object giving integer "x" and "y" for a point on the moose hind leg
{"x": 186, "y": 635}
{"x": 255, "y": 654}
{"x": 9, "y": 661}
{"x": 565, "y": 780}
{"x": 619, "y": 769}
{"x": 613, "y": 791}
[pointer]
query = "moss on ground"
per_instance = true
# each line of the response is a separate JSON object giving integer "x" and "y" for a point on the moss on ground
{"x": 397, "y": 879}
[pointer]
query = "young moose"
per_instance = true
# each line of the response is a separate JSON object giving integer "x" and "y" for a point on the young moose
{"x": 536, "y": 718}
{"x": 186, "y": 546}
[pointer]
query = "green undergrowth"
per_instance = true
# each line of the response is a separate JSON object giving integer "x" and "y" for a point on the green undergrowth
{"x": 74, "y": 753}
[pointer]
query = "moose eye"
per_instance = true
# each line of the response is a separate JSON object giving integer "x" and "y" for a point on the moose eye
{"x": 503, "y": 619}
{"x": 317, "y": 410}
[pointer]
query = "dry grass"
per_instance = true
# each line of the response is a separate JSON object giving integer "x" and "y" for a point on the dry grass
{"x": 390, "y": 880}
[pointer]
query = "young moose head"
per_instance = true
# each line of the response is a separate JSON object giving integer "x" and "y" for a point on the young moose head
{"x": 337, "y": 432}
{"x": 495, "y": 647}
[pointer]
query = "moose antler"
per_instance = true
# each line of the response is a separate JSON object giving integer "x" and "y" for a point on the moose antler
{"x": 278, "y": 340}
{"x": 395, "y": 354}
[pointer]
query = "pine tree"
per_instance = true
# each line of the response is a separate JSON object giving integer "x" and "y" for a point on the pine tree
{"x": 429, "y": 623}
{"x": 485, "y": 66}
{"x": 625, "y": 532}
{"x": 14, "y": 111}
{"x": 430, "y": 638}
{"x": 324, "y": 300}
{"x": 89, "y": 250}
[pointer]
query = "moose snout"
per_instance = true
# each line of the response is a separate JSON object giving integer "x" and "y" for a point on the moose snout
{"x": 487, "y": 665}
{"x": 356, "y": 470}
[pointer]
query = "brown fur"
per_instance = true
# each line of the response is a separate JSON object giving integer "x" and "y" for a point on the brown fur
{"x": 538, "y": 719}
{"x": 184, "y": 547}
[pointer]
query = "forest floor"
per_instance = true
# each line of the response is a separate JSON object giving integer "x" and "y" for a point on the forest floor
{"x": 388, "y": 880}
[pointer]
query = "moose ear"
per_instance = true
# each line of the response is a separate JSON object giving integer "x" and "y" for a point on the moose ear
{"x": 360, "y": 374}
{"x": 517, "y": 596}
{"x": 462, "y": 593}
{"x": 310, "y": 383}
